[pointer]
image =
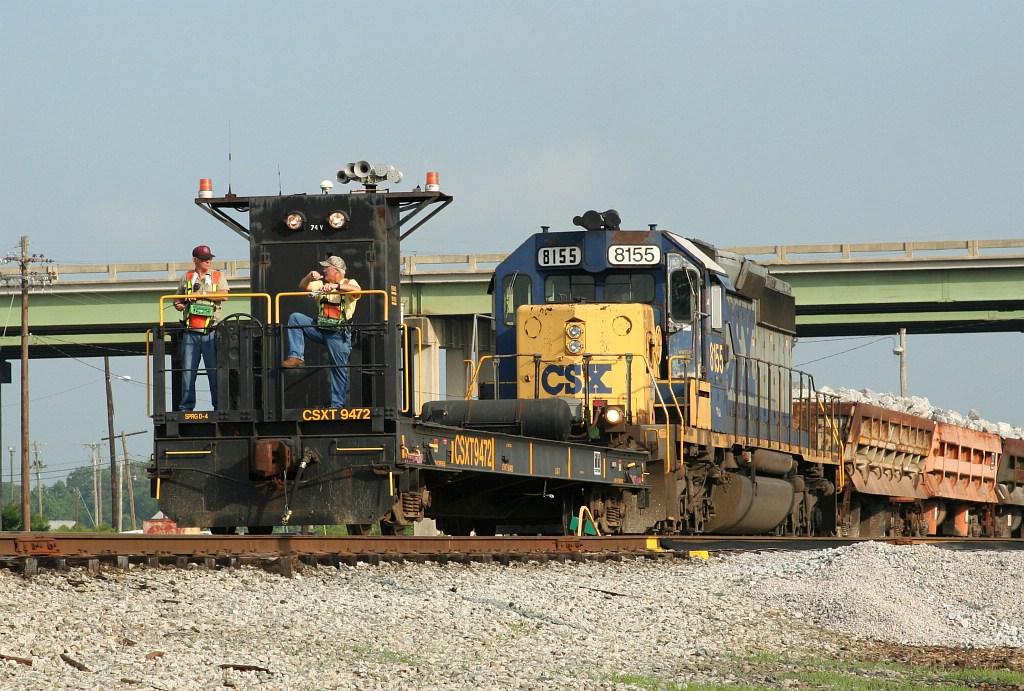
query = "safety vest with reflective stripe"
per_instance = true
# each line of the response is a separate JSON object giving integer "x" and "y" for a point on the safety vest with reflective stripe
{"x": 192, "y": 318}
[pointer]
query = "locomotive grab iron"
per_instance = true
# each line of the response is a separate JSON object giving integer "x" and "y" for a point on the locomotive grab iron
{"x": 642, "y": 382}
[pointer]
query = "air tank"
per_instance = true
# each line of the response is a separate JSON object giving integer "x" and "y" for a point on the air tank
{"x": 547, "y": 418}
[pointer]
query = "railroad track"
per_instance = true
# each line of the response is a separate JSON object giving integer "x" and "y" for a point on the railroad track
{"x": 27, "y": 553}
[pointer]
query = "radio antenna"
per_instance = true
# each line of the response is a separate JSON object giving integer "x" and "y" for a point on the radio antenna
{"x": 229, "y": 158}
{"x": 280, "y": 191}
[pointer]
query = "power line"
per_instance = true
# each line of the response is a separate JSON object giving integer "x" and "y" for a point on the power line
{"x": 843, "y": 352}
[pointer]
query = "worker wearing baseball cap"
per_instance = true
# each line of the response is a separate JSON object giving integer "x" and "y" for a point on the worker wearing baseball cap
{"x": 201, "y": 292}
{"x": 336, "y": 303}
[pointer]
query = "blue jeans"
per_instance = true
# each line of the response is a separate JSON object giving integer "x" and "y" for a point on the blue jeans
{"x": 339, "y": 346}
{"x": 196, "y": 344}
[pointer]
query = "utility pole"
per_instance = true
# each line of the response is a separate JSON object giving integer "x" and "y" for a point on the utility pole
{"x": 25, "y": 277}
{"x": 95, "y": 484}
{"x": 901, "y": 350}
{"x": 11, "y": 483}
{"x": 126, "y": 473}
{"x": 115, "y": 485}
{"x": 39, "y": 466}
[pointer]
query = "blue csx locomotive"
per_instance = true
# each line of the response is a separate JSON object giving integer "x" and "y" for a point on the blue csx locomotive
{"x": 669, "y": 346}
{"x": 641, "y": 383}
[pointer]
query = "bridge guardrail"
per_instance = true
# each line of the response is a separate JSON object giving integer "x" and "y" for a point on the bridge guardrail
{"x": 853, "y": 252}
{"x": 425, "y": 265}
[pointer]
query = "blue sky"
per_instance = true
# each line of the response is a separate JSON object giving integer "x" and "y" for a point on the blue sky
{"x": 739, "y": 123}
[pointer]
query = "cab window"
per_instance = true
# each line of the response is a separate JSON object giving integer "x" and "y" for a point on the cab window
{"x": 682, "y": 286}
{"x": 568, "y": 288}
{"x": 515, "y": 291}
{"x": 629, "y": 288}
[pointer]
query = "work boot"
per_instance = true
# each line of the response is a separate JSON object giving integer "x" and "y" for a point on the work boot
{"x": 293, "y": 362}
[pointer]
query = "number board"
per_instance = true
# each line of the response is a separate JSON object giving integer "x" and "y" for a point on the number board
{"x": 559, "y": 256}
{"x": 634, "y": 255}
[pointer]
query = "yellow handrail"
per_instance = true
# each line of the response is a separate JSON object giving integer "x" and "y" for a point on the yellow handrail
{"x": 841, "y": 473}
{"x": 214, "y": 298}
{"x": 406, "y": 384}
{"x": 306, "y": 293}
{"x": 149, "y": 370}
{"x": 580, "y": 523}
{"x": 476, "y": 374}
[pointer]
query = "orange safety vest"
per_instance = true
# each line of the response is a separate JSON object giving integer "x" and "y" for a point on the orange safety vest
{"x": 199, "y": 313}
{"x": 332, "y": 315}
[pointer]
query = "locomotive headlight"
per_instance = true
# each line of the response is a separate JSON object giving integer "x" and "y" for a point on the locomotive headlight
{"x": 337, "y": 220}
{"x": 612, "y": 419}
{"x": 613, "y": 416}
{"x": 295, "y": 220}
{"x": 574, "y": 338}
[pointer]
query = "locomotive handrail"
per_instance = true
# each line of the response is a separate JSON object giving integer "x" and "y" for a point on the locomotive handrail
{"x": 687, "y": 359}
{"x": 306, "y": 293}
{"x": 406, "y": 384}
{"x": 657, "y": 392}
{"x": 830, "y": 422}
{"x": 149, "y": 372}
{"x": 767, "y": 396}
{"x": 495, "y": 359}
{"x": 215, "y": 297}
{"x": 475, "y": 373}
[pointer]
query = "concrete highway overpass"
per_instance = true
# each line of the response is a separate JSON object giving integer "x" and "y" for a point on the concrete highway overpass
{"x": 841, "y": 290}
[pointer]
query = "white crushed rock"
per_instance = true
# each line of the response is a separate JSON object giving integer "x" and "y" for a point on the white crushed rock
{"x": 920, "y": 406}
{"x": 525, "y": 626}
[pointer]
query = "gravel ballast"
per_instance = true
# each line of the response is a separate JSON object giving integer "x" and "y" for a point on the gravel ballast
{"x": 527, "y": 626}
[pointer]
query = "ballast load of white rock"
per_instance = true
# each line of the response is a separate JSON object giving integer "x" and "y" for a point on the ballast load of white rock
{"x": 921, "y": 407}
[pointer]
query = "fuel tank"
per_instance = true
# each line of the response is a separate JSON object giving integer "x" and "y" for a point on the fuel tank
{"x": 547, "y": 418}
{"x": 749, "y": 506}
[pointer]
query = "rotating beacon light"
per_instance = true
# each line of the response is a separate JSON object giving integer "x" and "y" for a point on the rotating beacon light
{"x": 205, "y": 188}
{"x": 432, "y": 183}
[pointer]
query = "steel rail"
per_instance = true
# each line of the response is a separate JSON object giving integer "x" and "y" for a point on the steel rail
{"x": 68, "y": 545}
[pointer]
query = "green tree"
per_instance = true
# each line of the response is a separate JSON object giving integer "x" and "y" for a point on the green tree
{"x": 12, "y": 516}
{"x": 12, "y": 519}
{"x": 73, "y": 498}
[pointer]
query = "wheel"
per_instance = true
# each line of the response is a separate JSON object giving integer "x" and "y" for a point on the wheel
{"x": 224, "y": 530}
{"x": 358, "y": 528}
{"x": 260, "y": 529}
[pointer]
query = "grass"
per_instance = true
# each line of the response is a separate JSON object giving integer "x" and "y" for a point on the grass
{"x": 766, "y": 670}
